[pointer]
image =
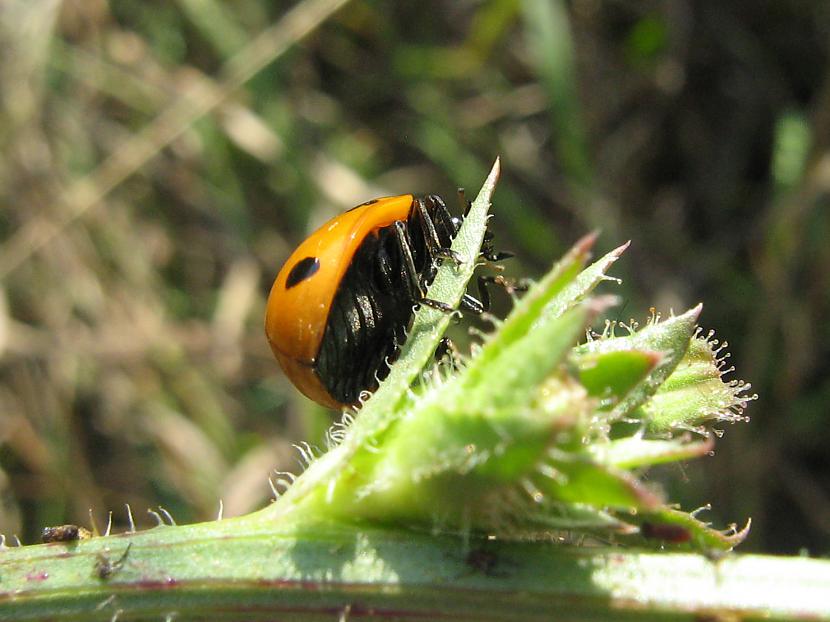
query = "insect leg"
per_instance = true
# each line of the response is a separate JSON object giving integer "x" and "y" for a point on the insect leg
{"x": 447, "y": 349}
{"x": 410, "y": 273}
{"x": 433, "y": 242}
{"x": 472, "y": 305}
{"x": 477, "y": 307}
{"x": 450, "y": 223}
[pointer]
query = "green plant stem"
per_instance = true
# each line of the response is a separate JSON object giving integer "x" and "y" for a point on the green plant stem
{"x": 250, "y": 569}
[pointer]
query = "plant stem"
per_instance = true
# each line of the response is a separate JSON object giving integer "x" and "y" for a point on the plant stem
{"x": 250, "y": 569}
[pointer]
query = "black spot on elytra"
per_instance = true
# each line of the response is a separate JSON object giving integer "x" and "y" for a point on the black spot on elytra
{"x": 302, "y": 270}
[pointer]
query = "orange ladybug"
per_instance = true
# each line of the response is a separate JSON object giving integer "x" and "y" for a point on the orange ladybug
{"x": 341, "y": 305}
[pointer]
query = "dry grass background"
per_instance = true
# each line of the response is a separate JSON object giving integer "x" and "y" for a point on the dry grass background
{"x": 158, "y": 160}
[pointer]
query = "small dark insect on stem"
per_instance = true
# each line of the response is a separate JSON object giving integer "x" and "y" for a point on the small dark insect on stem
{"x": 64, "y": 533}
{"x": 483, "y": 561}
{"x": 105, "y": 567}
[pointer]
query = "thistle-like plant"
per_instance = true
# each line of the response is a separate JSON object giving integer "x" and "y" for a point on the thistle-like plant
{"x": 462, "y": 489}
{"x": 533, "y": 432}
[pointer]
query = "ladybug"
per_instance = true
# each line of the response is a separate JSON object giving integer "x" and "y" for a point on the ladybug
{"x": 340, "y": 307}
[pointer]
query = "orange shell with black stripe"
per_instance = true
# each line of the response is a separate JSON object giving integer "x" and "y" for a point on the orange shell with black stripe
{"x": 302, "y": 294}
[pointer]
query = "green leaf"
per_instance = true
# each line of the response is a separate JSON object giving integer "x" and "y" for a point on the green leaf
{"x": 463, "y": 442}
{"x": 684, "y": 530}
{"x": 670, "y": 337}
{"x": 635, "y": 452}
{"x": 609, "y": 376}
{"x": 695, "y": 393}
{"x": 529, "y": 309}
{"x": 579, "y": 517}
{"x": 584, "y": 283}
{"x": 565, "y": 286}
{"x": 509, "y": 374}
{"x": 576, "y": 478}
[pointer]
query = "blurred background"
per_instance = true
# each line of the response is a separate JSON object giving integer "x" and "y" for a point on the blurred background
{"x": 160, "y": 159}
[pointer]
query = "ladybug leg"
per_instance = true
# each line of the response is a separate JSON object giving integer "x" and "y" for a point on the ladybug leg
{"x": 473, "y": 305}
{"x": 436, "y": 249}
{"x": 497, "y": 256}
{"x": 410, "y": 273}
{"x": 443, "y": 307}
{"x": 511, "y": 286}
{"x": 491, "y": 255}
{"x": 477, "y": 307}
{"x": 408, "y": 270}
{"x": 447, "y": 349}
{"x": 449, "y": 223}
